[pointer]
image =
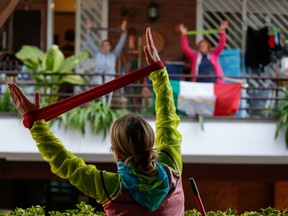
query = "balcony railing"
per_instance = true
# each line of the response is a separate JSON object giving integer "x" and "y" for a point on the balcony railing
{"x": 244, "y": 138}
{"x": 261, "y": 95}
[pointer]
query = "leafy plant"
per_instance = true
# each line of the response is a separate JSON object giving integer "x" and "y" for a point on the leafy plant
{"x": 99, "y": 116}
{"x": 251, "y": 213}
{"x": 200, "y": 119}
{"x": 147, "y": 111}
{"x": 83, "y": 210}
{"x": 270, "y": 211}
{"x": 231, "y": 212}
{"x": 50, "y": 68}
{"x": 282, "y": 117}
{"x": 6, "y": 104}
{"x": 33, "y": 211}
{"x": 228, "y": 212}
{"x": 284, "y": 213}
{"x": 56, "y": 69}
{"x": 192, "y": 212}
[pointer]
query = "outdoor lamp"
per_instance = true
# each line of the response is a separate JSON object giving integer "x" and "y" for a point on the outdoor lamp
{"x": 153, "y": 11}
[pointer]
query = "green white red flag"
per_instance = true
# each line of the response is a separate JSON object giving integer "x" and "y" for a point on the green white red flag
{"x": 207, "y": 99}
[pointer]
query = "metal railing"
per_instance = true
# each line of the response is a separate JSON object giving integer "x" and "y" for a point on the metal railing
{"x": 261, "y": 95}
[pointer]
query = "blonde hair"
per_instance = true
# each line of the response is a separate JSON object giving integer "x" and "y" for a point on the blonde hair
{"x": 132, "y": 138}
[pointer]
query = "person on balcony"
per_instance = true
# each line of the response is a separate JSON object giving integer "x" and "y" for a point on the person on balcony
{"x": 148, "y": 180}
{"x": 204, "y": 60}
{"x": 105, "y": 56}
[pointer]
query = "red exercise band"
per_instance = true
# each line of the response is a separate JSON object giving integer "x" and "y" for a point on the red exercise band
{"x": 53, "y": 110}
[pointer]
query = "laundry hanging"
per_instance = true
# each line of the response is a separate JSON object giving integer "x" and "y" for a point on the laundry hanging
{"x": 257, "y": 49}
{"x": 274, "y": 40}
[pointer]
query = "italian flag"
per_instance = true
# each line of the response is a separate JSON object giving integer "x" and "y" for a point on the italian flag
{"x": 207, "y": 99}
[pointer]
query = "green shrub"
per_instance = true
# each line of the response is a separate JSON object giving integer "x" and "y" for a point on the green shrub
{"x": 84, "y": 209}
{"x": 33, "y": 211}
{"x": 6, "y": 104}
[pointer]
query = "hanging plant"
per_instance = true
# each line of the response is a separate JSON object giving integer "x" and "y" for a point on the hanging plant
{"x": 98, "y": 116}
{"x": 282, "y": 117}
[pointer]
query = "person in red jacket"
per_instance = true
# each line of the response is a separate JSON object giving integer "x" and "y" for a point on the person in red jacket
{"x": 204, "y": 60}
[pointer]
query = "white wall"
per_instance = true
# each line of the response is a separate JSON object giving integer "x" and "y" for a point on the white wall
{"x": 220, "y": 142}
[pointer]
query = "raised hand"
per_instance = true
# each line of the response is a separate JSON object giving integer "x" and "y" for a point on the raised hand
{"x": 21, "y": 101}
{"x": 88, "y": 24}
{"x": 150, "y": 50}
{"x": 182, "y": 28}
{"x": 223, "y": 26}
{"x": 123, "y": 26}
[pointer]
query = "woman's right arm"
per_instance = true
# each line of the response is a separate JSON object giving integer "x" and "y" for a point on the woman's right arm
{"x": 95, "y": 49}
{"x": 64, "y": 164}
{"x": 190, "y": 53}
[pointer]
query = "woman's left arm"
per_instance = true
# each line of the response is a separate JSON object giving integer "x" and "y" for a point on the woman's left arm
{"x": 222, "y": 38}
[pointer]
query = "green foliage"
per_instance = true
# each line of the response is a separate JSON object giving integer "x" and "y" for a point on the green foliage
{"x": 231, "y": 212}
{"x": 32, "y": 57}
{"x": 201, "y": 121}
{"x": 6, "y": 105}
{"x": 284, "y": 213}
{"x": 228, "y": 212}
{"x": 282, "y": 117}
{"x": 53, "y": 59}
{"x": 72, "y": 61}
{"x": 251, "y": 213}
{"x": 147, "y": 111}
{"x": 100, "y": 117}
{"x": 192, "y": 212}
{"x": 84, "y": 209}
{"x": 33, "y": 211}
{"x": 57, "y": 69}
{"x": 271, "y": 211}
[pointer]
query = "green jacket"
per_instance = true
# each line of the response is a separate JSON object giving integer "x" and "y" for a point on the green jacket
{"x": 87, "y": 178}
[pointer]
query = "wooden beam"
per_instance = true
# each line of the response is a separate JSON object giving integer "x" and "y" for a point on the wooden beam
{"x": 6, "y": 8}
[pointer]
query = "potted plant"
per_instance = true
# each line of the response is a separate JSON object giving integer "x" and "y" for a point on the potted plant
{"x": 282, "y": 117}
{"x": 50, "y": 68}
